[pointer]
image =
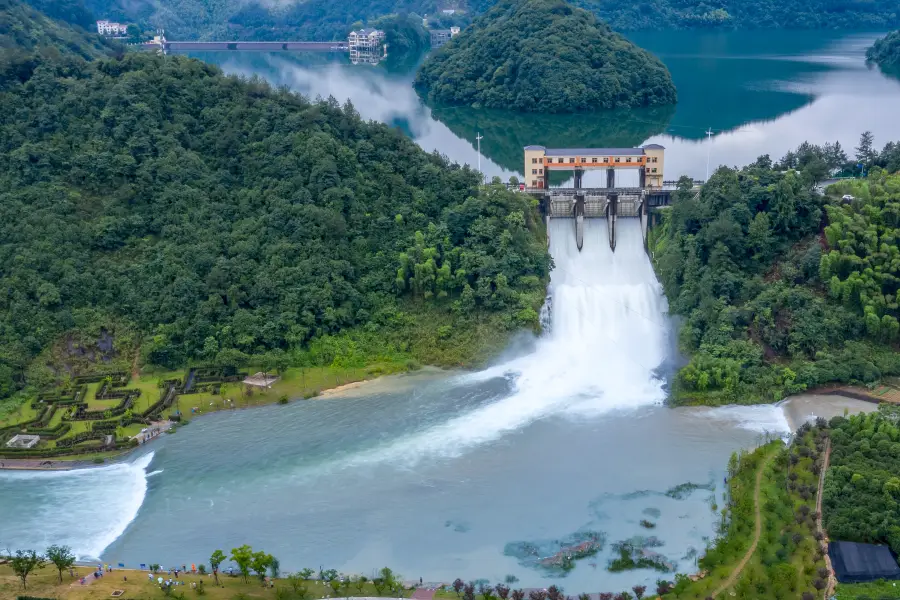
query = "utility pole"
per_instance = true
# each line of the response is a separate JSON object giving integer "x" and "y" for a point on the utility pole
{"x": 478, "y": 138}
{"x": 709, "y": 133}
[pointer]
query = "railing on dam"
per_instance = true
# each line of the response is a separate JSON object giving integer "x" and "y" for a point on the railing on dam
{"x": 258, "y": 46}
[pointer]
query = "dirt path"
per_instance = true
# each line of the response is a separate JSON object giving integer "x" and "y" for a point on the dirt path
{"x": 831, "y": 580}
{"x": 135, "y": 371}
{"x": 756, "y": 534}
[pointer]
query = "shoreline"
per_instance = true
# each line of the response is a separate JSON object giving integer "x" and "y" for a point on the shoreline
{"x": 844, "y": 398}
{"x": 62, "y": 464}
{"x": 73, "y": 464}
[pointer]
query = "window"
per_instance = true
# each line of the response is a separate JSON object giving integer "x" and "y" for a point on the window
{"x": 534, "y": 171}
{"x": 654, "y": 169}
{"x": 540, "y": 171}
{"x": 571, "y": 160}
{"x": 653, "y": 159}
{"x": 617, "y": 160}
{"x": 593, "y": 160}
{"x": 534, "y": 183}
{"x": 559, "y": 160}
{"x": 628, "y": 159}
{"x": 534, "y": 161}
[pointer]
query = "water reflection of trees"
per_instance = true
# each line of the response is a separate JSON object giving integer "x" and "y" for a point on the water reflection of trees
{"x": 506, "y": 133}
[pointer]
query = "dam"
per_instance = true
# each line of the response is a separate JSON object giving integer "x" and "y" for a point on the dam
{"x": 609, "y": 202}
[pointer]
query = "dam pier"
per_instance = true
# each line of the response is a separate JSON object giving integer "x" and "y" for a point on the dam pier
{"x": 609, "y": 202}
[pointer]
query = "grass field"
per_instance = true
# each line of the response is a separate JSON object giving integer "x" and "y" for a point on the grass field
{"x": 877, "y": 590}
{"x": 44, "y": 584}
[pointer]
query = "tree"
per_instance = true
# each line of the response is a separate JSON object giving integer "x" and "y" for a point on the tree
{"x": 639, "y": 591}
{"x": 243, "y": 557}
{"x": 306, "y": 573}
{"x": 24, "y": 562}
{"x": 486, "y": 591}
{"x": 518, "y": 594}
{"x": 215, "y": 560}
{"x": 134, "y": 33}
{"x": 274, "y": 567}
{"x": 389, "y": 579}
{"x": 469, "y": 591}
{"x": 260, "y": 563}
{"x": 554, "y": 593}
{"x": 61, "y": 557}
{"x": 361, "y": 583}
{"x": 335, "y": 585}
{"x": 865, "y": 152}
{"x": 378, "y": 584}
{"x": 458, "y": 585}
{"x": 502, "y": 591}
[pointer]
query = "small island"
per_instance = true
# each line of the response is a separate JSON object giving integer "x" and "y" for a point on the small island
{"x": 543, "y": 56}
{"x": 885, "y": 52}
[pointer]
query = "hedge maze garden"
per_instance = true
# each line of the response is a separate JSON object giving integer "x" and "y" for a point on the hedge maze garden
{"x": 102, "y": 412}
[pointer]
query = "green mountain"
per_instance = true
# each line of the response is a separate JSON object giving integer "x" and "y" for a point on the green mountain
{"x": 784, "y": 289}
{"x": 23, "y": 29}
{"x": 151, "y": 202}
{"x": 886, "y": 53}
{"x": 325, "y": 20}
{"x": 543, "y": 56}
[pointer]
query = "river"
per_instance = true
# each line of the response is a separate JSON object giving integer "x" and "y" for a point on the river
{"x": 445, "y": 475}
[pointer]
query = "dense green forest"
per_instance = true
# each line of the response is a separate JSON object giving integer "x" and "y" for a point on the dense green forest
{"x": 747, "y": 14}
{"x": 324, "y": 20}
{"x": 886, "y": 53}
{"x": 218, "y": 218}
{"x": 23, "y": 30}
{"x": 782, "y": 288}
{"x": 543, "y": 56}
{"x": 861, "y": 499}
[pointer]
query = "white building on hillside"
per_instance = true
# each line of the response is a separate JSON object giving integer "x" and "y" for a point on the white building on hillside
{"x": 366, "y": 46}
{"x": 110, "y": 28}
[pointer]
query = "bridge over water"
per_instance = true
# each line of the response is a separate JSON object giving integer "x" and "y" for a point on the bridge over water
{"x": 174, "y": 46}
{"x": 610, "y": 202}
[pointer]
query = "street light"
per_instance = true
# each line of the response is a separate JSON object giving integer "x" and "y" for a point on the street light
{"x": 478, "y": 138}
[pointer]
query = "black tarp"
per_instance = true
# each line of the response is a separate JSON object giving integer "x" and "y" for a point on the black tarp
{"x": 856, "y": 563}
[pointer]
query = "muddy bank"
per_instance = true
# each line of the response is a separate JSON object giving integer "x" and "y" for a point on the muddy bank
{"x": 803, "y": 407}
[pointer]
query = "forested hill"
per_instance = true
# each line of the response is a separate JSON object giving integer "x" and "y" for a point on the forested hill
{"x": 215, "y": 219}
{"x": 886, "y": 53}
{"x": 327, "y": 20}
{"x": 746, "y": 14}
{"x": 24, "y": 29}
{"x": 543, "y": 56}
{"x": 784, "y": 289}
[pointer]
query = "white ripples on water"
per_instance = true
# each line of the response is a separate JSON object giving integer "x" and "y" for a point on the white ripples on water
{"x": 85, "y": 509}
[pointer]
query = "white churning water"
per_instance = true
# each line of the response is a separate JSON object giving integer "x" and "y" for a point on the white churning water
{"x": 85, "y": 509}
{"x": 607, "y": 335}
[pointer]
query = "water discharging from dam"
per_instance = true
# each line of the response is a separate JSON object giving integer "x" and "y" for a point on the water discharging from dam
{"x": 437, "y": 475}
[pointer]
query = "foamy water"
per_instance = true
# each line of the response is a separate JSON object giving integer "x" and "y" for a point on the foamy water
{"x": 593, "y": 368}
{"x": 607, "y": 334}
{"x": 85, "y": 509}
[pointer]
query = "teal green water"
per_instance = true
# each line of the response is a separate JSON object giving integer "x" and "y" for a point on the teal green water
{"x": 454, "y": 475}
{"x": 760, "y": 93}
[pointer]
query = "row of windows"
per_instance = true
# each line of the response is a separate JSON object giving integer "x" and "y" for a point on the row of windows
{"x": 535, "y": 161}
{"x": 537, "y": 171}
